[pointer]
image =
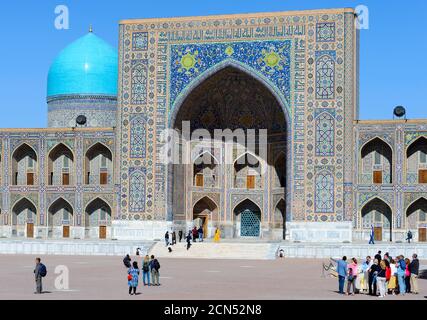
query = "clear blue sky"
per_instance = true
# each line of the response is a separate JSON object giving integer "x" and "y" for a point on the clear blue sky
{"x": 393, "y": 59}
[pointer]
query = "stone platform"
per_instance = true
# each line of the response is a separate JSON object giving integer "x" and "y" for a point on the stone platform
{"x": 226, "y": 249}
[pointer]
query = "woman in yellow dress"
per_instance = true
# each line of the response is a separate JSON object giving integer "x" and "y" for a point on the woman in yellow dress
{"x": 217, "y": 235}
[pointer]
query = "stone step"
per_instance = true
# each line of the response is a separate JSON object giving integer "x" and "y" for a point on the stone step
{"x": 209, "y": 250}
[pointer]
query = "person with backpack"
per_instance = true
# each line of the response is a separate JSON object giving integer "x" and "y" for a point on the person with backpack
{"x": 133, "y": 275}
{"x": 155, "y": 267}
{"x": 39, "y": 272}
{"x": 401, "y": 268}
{"x": 146, "y": 271}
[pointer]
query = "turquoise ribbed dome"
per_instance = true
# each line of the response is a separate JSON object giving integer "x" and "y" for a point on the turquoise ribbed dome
{"x": 88, "y": 66}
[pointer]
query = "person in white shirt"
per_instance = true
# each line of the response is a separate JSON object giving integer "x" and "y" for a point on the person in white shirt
{"x": 391, "y": 286}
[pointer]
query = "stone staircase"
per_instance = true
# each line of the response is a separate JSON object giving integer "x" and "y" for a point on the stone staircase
{"x": 222, "y": 250}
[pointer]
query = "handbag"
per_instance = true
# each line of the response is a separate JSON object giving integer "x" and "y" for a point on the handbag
{"x": 129, "y": 277}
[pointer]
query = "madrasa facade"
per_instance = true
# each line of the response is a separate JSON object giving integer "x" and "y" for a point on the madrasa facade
{"x": 288, "y": 80}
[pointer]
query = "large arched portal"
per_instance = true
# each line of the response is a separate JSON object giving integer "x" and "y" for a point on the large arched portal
{"x": 235, "y": 119}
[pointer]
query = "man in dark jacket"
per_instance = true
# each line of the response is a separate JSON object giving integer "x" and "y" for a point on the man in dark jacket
{"x": 414, "y": 268}
{"x": 38, "y": 276}
{"x": 180, "y": 235}
{"x": 126, "y": 261}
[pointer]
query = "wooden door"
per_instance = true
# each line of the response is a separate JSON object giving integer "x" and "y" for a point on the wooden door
{"x": 422, "y": 235}
{"x": 102, "y": 232}
{"x": 65, "y": 179}
{"x": 65, "y": 231}
{"x": 30, "y": 179}
{"x": 250, "y": 182}
{"x": 30, "y": 230}
{"x": 103, "y": 178}
{"x": 378, "y": 233}
{"x": 199, "y": 180}
{"x": 378, "y": 176}
{"x": 422, "y": 176}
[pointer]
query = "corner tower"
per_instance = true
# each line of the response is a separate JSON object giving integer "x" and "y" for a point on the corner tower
{"x": 82, "y": 80}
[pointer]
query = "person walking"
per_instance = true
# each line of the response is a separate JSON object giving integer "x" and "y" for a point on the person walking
{"x": 391, "y": 286}
{"x": 180, "y": 234}
{"x": 414, "y": 268}
{"x": 195, "y": 234}
{"x": 381, "y": 279}
{"x": 173, "y": 237}
{"x": 373, "y": 273}
{"x": 146, "y": 271}
{"x": 167, "y": 238}
{"x": 188, "y": 238}
{"x": 40, "y": 271}
{"x": 352, "y": 275}
{"x": 133, "y": 275}
{"x": 401, "y": 268}
{"x": 371, "y": 236}
{"x": 217, "y": 236}
{"x": 407, "y": 276}
{"x": 200, "y": 231}
{"x": 155, "y": 267}
{"x": 342, "y": 273}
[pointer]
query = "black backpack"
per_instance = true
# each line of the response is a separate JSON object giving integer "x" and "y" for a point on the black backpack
{"x": 43, "y": 270}
{"x": 156, "y": 264}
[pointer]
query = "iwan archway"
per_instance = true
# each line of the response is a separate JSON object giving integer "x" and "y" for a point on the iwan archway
{"x": 236, "y": 126}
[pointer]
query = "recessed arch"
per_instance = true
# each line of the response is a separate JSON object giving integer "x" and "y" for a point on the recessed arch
{"x": 416, "y": 214}
{"x": 24, "y": 165}
{"x": 98, "y": 164}
{"x": 376, "y": 159}
{"x": 205, "y": 210}
{"x": 215, "y": 69}
{"x": 377, "y": 213}
{"x": 209, "y": 103}
{"x": 24, "y": 211}
{"x": 102, "y": 211}
{"x": 60, "y": 165}
{"x": 61, "y": 212}
{"x": 416, "y": 161}
{"x": 247, "y": 218}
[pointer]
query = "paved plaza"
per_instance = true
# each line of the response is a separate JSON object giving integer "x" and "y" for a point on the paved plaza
{"x": 105, "y": 278}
